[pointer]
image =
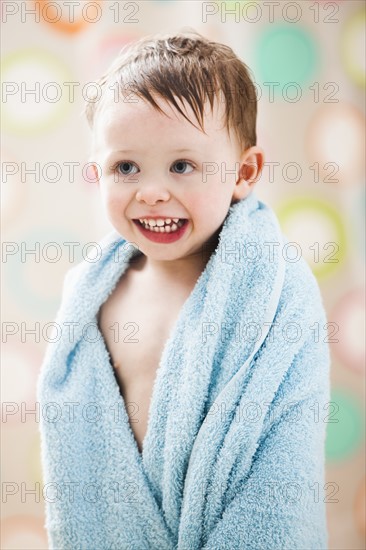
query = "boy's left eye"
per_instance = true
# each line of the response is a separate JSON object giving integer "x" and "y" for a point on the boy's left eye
{"x": 181, "y": 166}
{"x": 126, "y": 165}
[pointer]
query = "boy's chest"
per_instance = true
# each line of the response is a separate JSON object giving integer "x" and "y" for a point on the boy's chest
{"x": 135, "y": 325}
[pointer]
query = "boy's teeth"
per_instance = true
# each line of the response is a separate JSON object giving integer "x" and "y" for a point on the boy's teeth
{"x": 161, "y": 225}
{"x": 160, "y": 222}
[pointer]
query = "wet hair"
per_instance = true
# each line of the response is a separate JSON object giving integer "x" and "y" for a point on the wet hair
{"x": 183, "y": 66}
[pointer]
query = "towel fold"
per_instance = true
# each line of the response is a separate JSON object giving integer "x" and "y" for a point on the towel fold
{"x": 233, "y": 457}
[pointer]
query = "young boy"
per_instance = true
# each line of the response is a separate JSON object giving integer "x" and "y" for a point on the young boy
{"x": 168, "y": 170}
{"x": 174, "y": 300}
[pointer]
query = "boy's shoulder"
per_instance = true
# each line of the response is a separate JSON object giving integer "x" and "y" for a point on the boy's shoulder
{"x": 103, "y": 248}
{"x": 301, "y": 287}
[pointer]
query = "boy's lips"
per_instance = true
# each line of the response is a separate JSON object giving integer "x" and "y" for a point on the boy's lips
{"x": 162, "y": 236}
{"x": 158, "y": 218}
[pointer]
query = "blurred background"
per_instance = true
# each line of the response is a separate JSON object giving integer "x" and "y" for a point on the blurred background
{"x": 308, "y": 62}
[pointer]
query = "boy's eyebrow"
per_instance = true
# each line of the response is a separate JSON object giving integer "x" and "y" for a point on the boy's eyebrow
{"x": 183, "y": 151}
{"x": 120, "y": 151}
{"x": 134, "y": 151}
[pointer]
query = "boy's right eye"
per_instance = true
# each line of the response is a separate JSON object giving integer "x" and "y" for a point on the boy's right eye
{"x": 124, "y": 168}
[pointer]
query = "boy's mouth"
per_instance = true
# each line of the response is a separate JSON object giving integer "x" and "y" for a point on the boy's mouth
{"x": 169, "y": 232}
{"x": 161, "y": 225}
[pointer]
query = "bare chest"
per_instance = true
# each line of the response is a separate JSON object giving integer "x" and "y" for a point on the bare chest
{"x": 136, "y": 323}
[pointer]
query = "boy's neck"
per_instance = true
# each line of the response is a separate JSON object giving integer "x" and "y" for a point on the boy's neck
{"x": 183, "y": 270}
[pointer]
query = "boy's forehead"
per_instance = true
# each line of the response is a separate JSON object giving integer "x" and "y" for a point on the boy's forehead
{"x": 136, "y": 116}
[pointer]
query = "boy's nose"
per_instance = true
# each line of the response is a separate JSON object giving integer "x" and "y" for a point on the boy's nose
{"x": 152, "y": 194}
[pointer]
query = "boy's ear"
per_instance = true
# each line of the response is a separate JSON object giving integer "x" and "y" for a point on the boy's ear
{"x": 250, "y": 169}
{"x": 94, "y": 171}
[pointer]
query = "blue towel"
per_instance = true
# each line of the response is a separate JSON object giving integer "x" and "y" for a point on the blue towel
{"x": 234, "y": 454}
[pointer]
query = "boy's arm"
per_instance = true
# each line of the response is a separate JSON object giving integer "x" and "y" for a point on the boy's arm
{"x": 281, "y": 503}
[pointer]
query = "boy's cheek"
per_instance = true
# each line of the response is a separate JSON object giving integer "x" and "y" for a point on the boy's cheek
{"x": 113, "y": 202}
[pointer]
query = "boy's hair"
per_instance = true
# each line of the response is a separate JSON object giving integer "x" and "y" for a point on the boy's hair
{"x": 184, "y": 65}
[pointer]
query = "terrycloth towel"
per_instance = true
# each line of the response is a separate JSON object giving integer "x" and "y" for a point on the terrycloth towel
{"x": 234, "y": 452}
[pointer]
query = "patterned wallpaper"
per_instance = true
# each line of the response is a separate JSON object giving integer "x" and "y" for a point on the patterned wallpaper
{"x": 308, "y": 59}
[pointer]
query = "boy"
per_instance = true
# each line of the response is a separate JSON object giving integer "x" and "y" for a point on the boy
{"x": 176, "y": 160}
{"x": 150, "y": 190}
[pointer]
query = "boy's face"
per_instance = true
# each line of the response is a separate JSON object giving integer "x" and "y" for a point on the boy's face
{"x": 155, "y": 166}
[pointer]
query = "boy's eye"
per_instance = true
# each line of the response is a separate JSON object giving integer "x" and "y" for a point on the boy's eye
{"x": 124, "y": 168}
{"x": 181, "y": 164}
